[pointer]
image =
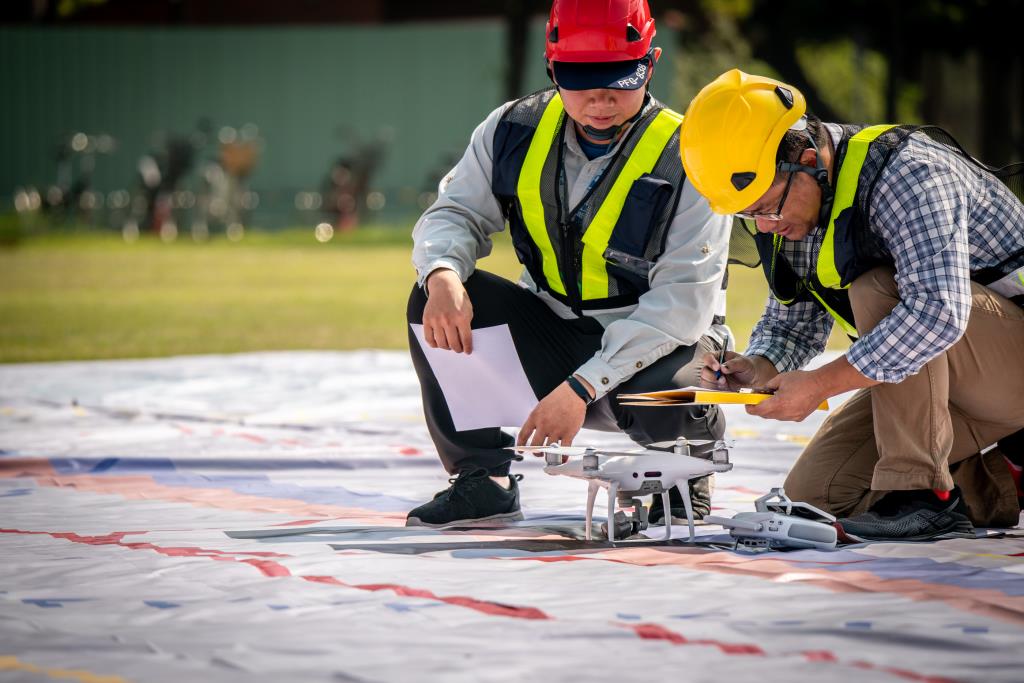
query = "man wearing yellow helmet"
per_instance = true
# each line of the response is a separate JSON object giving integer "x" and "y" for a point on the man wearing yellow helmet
{"x": 917, "y": 251}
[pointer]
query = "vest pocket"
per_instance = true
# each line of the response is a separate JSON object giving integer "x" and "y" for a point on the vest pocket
{"x": 641, "y": 215}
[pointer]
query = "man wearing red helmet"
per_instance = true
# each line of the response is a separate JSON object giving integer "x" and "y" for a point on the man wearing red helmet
{"x": 624, "y": 262}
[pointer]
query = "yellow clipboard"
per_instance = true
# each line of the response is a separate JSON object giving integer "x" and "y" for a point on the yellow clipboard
{"x": 699, "y": 396}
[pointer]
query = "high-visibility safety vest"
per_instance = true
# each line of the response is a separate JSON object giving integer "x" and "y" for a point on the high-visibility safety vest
{"x": 848, "y": 248}
{"x": 598, "y": 254}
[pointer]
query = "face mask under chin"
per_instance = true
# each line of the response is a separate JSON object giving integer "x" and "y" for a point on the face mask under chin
{"x": 602, "y": 134}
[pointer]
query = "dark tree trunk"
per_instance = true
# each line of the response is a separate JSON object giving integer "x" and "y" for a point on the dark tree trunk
{"x": 517, "y": 25}
{"x": 896, "y": 57}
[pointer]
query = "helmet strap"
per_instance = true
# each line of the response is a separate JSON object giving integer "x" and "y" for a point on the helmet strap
{"x": 821, "y": 177}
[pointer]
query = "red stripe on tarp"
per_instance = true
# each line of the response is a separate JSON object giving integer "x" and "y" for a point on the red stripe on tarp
{"x": 819, "y": 656}
{"x": 484, "y": 606}
{"x": 659, "y": 632}
{"x": 276, "y": 569}
{"x": 266, "y": 567}
{"x": 646, "y": 631}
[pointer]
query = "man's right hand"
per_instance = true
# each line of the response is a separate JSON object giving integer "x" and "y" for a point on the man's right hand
{"x": 448, "y": 313}
{"x": 737, "y": 371}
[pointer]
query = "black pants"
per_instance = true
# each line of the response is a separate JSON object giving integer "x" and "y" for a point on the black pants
{"x": 550, "y": 349}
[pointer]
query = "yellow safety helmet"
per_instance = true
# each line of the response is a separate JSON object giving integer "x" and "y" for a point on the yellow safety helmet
{"x": 731, "y": 135}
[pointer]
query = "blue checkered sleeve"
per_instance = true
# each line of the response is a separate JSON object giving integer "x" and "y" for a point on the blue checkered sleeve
{"x": 790, "y": 336}
{"x": 921, "y": 211}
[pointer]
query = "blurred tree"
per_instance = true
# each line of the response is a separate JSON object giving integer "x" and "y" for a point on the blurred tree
{"x": 957, "y": 63}
{"x": 517, "y": 16}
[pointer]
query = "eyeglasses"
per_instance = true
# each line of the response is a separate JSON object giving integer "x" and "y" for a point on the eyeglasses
{"x": 773, "y": 216}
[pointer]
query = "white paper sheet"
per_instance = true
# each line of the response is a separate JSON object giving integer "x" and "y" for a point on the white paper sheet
{"x": 487, "y": 388}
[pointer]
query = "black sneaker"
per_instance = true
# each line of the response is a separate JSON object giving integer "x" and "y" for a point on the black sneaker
{"x": 910, "y": 516}
{"x": 700, "y": 499}
{"x": 472, "y": 500}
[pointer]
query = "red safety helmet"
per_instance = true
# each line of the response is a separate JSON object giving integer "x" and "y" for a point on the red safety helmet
{"x": 599, "y": 31}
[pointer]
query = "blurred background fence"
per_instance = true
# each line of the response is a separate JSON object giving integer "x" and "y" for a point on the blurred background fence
{"x": 394, "y": 98}
{"x": 154, "y": 113}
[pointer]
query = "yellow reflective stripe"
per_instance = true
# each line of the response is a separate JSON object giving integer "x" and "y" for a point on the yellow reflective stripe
{"x": 848, "y": 328}
{"x": 528, "y": 190}
{"x": 599, "y": 232}
{"x": 846, "y": 188}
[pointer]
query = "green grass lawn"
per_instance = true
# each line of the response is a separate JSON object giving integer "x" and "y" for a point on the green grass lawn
{"x": 88, "y": 295}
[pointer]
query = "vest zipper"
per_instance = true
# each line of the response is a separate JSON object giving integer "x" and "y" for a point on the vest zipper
{"x": 571, "y": 261}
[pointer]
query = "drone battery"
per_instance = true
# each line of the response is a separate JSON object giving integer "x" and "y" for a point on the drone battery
{"x": 815, "y": 533}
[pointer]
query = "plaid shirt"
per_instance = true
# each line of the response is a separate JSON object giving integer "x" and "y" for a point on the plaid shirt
{"x": 937, "y": 218}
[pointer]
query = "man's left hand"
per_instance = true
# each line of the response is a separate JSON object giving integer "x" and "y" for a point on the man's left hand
{"x": 557, "y": 418}
{"x": 797, "y": 395}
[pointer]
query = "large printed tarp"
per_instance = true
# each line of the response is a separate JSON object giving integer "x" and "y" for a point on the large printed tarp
{"x": 241, "y": 517}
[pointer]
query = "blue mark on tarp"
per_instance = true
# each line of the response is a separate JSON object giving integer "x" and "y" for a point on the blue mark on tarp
{"x": 52, "y": 602}
{"x": 106, "y": 465}
{"x": 164, "y": 471}
{"x": 968, "y": 628}
{"x": 628, "y": 617}
{"x": 788, "y": 622}
{"x": 262, "y": 486}
{"x": 278, "y": 608}
{"x": 398, "y": 607}
{"x": 161, "y": 604}
{"x": 698, "y": 615}
{"x": 859, "y": 625}
{"x": 922, "y": 569}
{"x": 16, "y": 492}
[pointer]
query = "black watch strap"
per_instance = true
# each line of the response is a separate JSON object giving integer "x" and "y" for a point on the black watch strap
{"x": 580, "y": 390}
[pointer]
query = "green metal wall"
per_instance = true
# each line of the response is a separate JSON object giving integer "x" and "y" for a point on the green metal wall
{"x": 430, "y": 83}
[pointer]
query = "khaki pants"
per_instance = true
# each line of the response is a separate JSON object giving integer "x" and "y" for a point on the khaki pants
{"x": 927, "y": 431}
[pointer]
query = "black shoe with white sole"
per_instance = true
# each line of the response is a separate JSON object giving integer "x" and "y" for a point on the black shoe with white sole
{"x": 910, "y": 516}
{"x": 700, "y": 499}
{"x": 472, "y": 500}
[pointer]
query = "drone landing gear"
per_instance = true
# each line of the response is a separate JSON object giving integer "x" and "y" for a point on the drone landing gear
{"x": 621, "y": 525}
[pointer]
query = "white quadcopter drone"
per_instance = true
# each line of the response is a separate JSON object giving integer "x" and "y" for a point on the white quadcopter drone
{"x": 630, "y": 474}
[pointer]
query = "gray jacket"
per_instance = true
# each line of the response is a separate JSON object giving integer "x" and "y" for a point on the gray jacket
{"x": 685, "y": 282}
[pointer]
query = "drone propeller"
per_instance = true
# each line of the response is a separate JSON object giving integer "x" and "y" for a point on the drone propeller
{"x": 672, "y": 444}
{"x": 579, "y": 451}
{"x": 553, "y": 449}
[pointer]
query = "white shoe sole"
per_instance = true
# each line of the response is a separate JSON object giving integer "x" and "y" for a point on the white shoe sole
{"x": 492, "y": 522}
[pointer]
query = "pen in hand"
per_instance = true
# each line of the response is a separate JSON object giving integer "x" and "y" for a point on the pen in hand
{"x": 721, "y": 361}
